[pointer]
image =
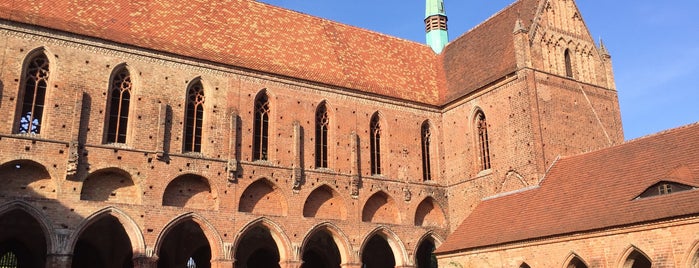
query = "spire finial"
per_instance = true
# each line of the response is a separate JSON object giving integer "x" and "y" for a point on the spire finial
{"x": 519, "y": 27}
{"x": 603, "y": 49}
{"x": 436, "y": 25}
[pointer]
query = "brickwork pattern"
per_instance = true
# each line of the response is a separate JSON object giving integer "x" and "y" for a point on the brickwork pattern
{"x": 665, "y": 244}
{"x": 69, "y": 179}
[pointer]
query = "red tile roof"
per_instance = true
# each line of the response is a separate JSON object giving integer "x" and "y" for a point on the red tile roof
{"x": 261, "y": 37}
{"x": 486, "y": 53}
{"x": 251, "y": 35}
{"x": 592, "y": 191}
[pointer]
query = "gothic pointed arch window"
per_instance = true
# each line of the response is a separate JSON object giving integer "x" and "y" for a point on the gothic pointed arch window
{"x": 576, "y": 262}
{"x": 568, "y": 63}
{"x": 483, "y": 141}
{"x": 375, "y": 144}
{"x": 121, "y": 89}
{"x": 321, "y": 141}
{"x": 261, "y": 128}
{"x": 33, "y": 94}
{"x": 194, "y": 118}
{"x": 426, "y": 136}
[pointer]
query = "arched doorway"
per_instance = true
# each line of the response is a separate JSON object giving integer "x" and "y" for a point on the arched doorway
{"x": 321, "y": 252}
{"x": 257, "y": 248}
{"x": 185, "y": 245}
{"x": 576, "y": 262}
{"x": 377, "y": 253}
{"x": 424, "y": 257}
{"x": 637, "y": 260}
{"x": 22, "y": 240}
{"x": 103, "y": 243}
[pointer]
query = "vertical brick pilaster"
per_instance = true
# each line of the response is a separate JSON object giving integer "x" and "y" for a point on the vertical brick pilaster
{"x": 222, "y": 264}
{"x": 145, "y": 262}
{"x": 59, "y": 261}
{"x": 298, "y": 156}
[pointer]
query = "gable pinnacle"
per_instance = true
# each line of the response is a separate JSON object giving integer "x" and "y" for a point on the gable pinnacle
{"x": 436, "y": 25}
{"x": 519, "y": 27}
{"x": 603, "y": 49}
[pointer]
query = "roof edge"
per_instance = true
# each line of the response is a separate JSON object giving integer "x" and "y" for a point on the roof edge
{"x": 582, "y": 232}
{"x": 484, "y": 22}
{"x": 525, "y": 189}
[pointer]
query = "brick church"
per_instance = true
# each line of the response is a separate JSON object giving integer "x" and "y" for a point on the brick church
{"x": 233, "y": 133}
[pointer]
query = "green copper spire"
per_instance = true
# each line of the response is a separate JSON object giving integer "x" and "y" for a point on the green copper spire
{"x": 436, "y": 25}
{"x": 435, "y": 7}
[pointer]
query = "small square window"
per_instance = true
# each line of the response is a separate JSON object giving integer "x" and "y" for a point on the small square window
{"x": 664, "y": 189}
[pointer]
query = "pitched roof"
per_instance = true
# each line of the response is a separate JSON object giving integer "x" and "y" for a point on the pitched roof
{"x": 251, "y": 35}
{"x": 591, "y": 191}
{"x": 485, "y": 53}
{"x": 261, "y": 37}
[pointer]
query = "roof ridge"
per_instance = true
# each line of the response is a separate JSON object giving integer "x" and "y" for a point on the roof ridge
{"x": 555, "y": 161}
{"x": 486, "y": 20}
{"x": 326, "y": 20}
{"x": 662, "y": 132}
{"x": 634, "y": 140}
{"x": 254, "y": 36}
{"x": 521, "y": 190}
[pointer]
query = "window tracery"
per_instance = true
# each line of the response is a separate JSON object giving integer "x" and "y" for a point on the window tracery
{"x": 194, "y": 118}
{"x": 483, "y": 141}
{"x": 375, "y": 144}
{"x": 321, "y": 142}
{"x": 35, "y": 85}
{"x": 119, "y": 101}
{"x": 426, "y": 136}
{"x": 261, "y": 128}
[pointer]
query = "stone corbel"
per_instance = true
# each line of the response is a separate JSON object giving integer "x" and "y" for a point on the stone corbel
{"x": 73, "y": 159}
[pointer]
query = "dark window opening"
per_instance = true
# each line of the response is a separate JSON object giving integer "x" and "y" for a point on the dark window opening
{"x": 194, "y": 118}
{"x": 426, "y": 139}
{"x": 322, "y": 123}
{"x": 191, "y": 263}
{"x": 35, "y": 84}
{"x": 483, "y": 143}
{"x": 664, "y": 188}
{"x": 425, "y": 255}
{"x": 569, "y": 64}
{"x": 637, "y": 260}
{"x": 120, "y": 98}
{"x": 378, "y": 253}
{"x": 321, "y": 252}
{"x": 576, "y": 263}
{"x": 375, "y": 145}
{"x": 9, "y": 260}
{"x": 261, "y": 128}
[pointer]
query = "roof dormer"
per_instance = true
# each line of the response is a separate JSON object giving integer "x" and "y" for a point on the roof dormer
{"x": 665, "y": 188}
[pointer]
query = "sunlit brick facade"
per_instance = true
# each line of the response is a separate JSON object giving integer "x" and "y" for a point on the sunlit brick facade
{"x": 171, "y": 135}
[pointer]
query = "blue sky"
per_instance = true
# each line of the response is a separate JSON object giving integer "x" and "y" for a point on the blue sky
{"x": 654, "y": 46}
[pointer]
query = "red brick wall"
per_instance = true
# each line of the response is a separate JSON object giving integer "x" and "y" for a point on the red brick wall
{"x": 110, "y": 186}
{"x": 325, "y": 203}
{"x": 666, "y": 244}
{"x": 524, "y": 129}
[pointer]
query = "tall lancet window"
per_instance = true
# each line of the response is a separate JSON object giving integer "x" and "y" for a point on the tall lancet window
{"x": 375, "y": 144}
{"x": 426, "y": 139}
{"x": 483, "y": 142}
{"x": 194, "y": 118}
{"x": 35, "y": 83}
{"x": 261, "y": 128}
{"x": 568, "y": 63}
{"x": 119, "y": 100}
{"x": 322, "y": 123}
